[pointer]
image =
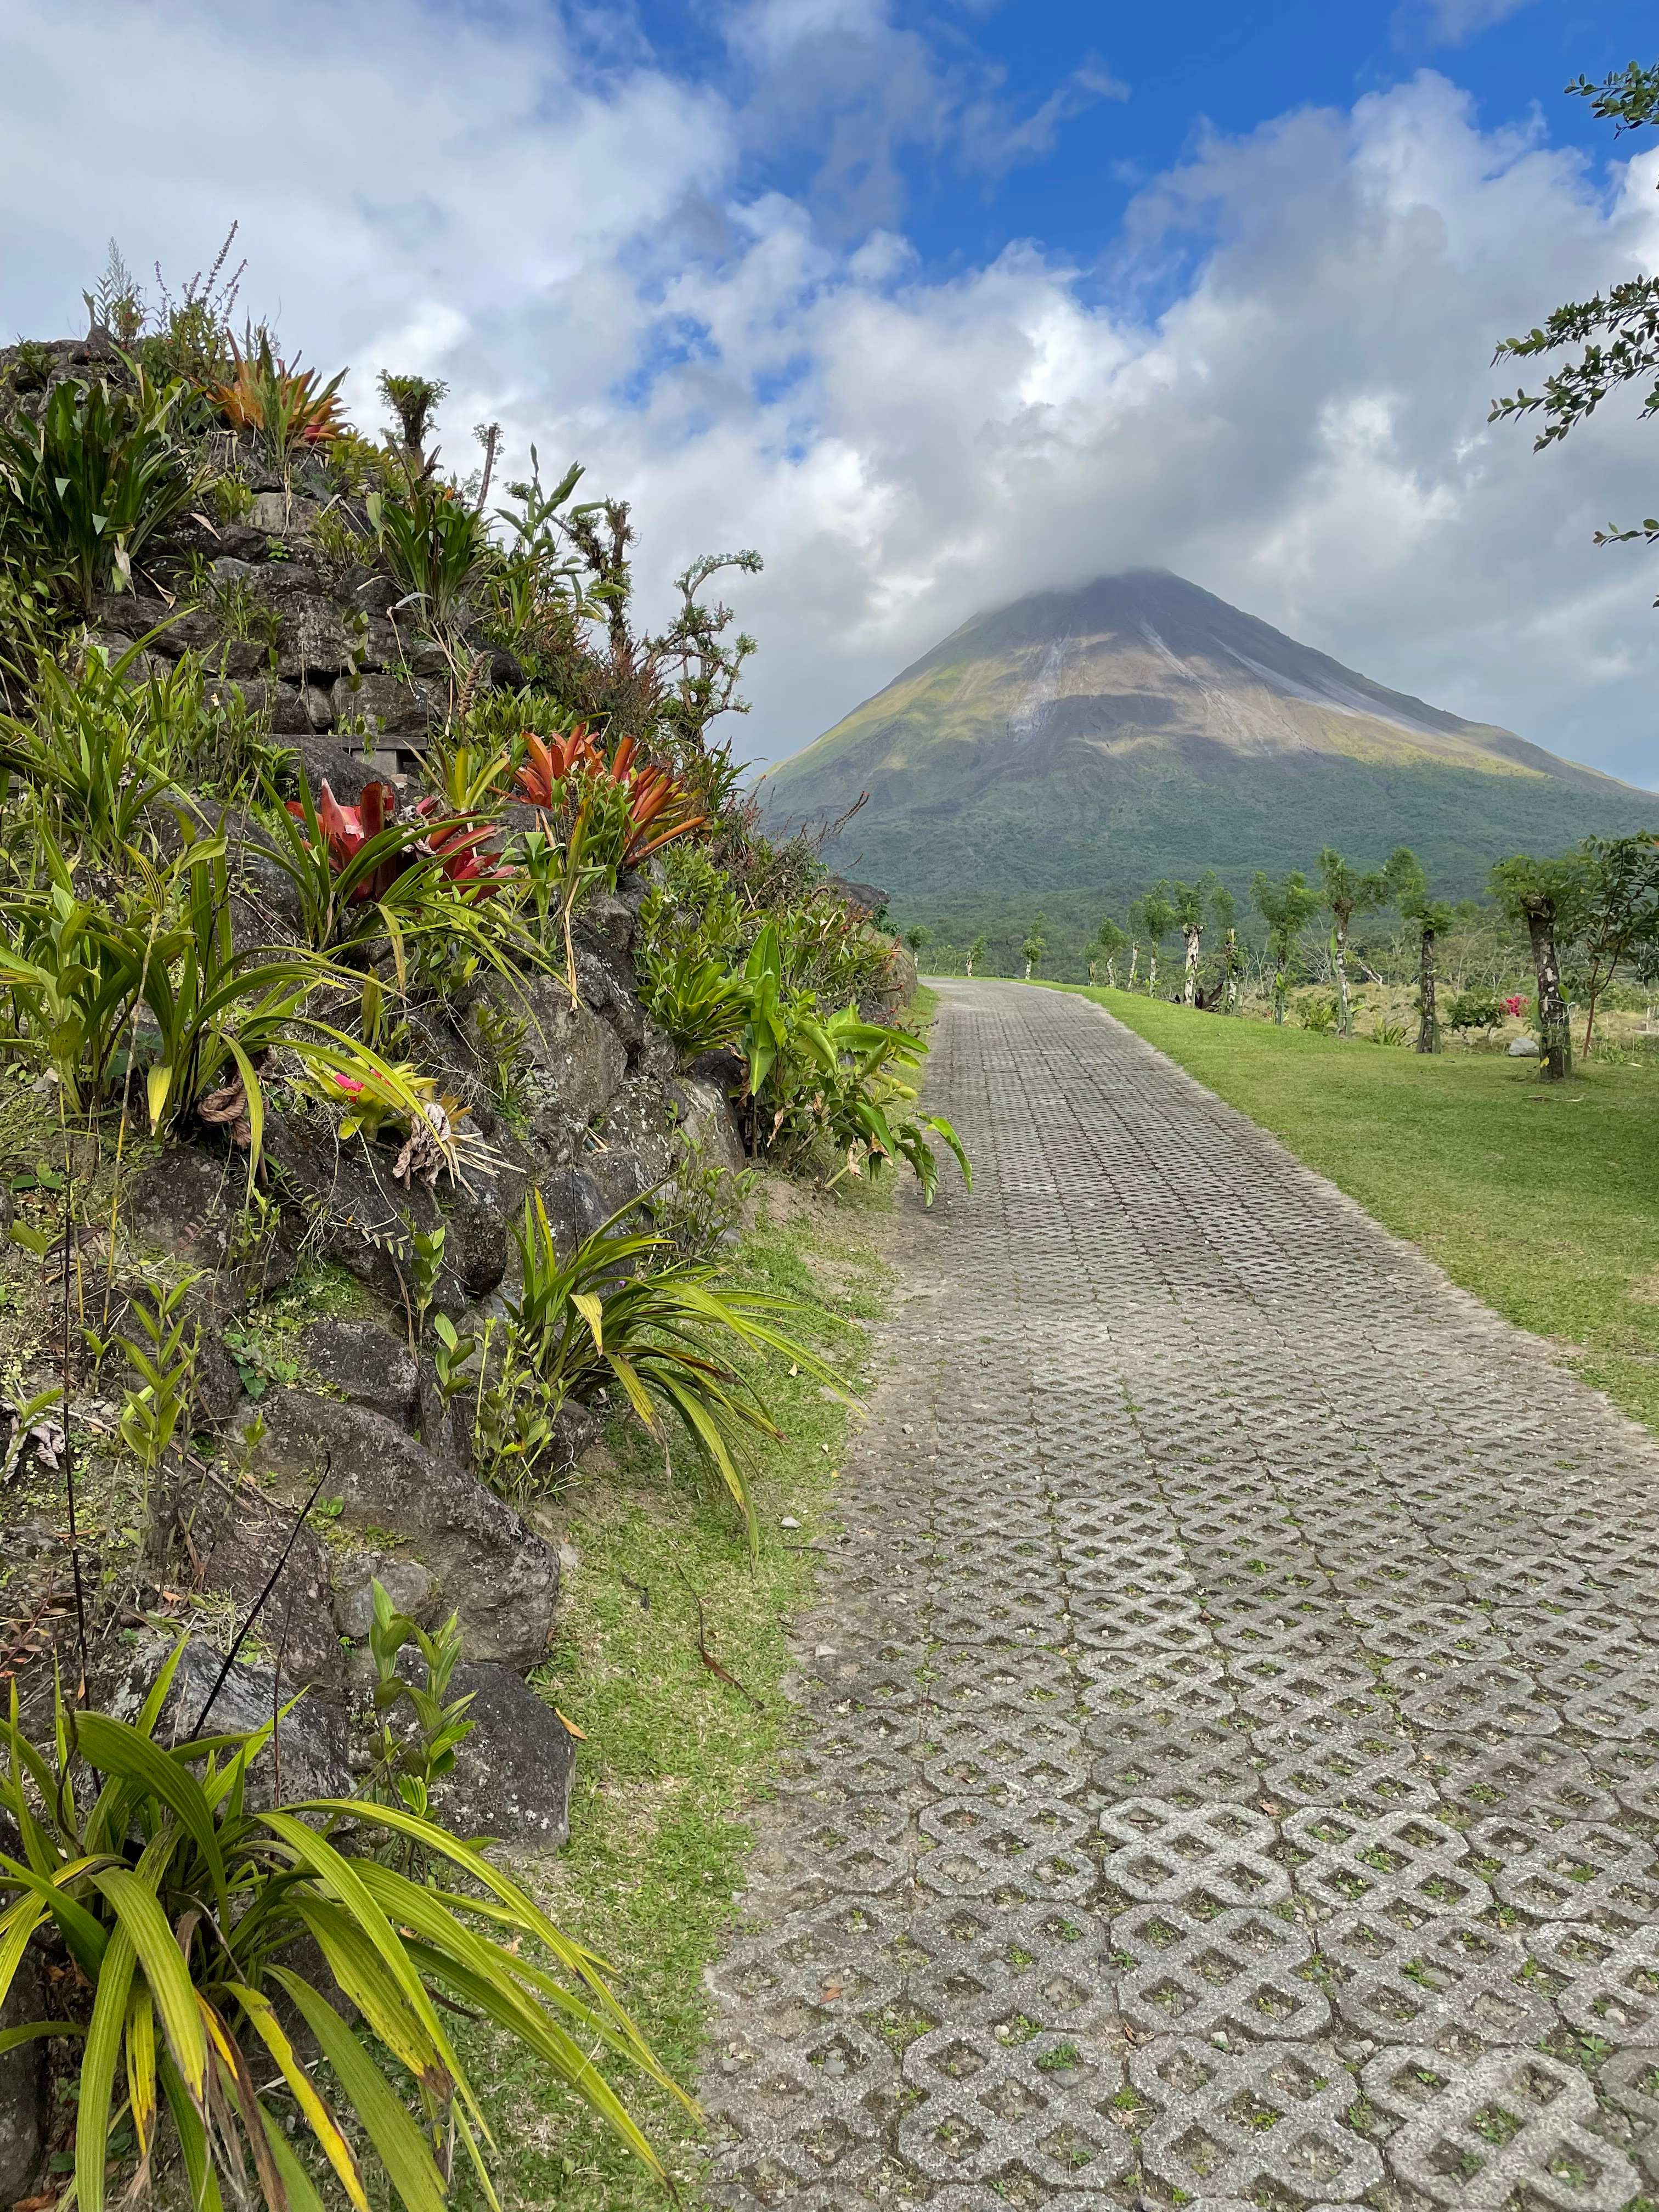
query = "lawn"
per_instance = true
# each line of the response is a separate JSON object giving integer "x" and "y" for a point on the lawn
{"x": 1542, "y": 1198}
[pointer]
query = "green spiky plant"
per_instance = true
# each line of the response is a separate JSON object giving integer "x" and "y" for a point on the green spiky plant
{"x": 191, "y": 1916}
{"x": 623, "y": 1316}
{"x": 84, "y": 489}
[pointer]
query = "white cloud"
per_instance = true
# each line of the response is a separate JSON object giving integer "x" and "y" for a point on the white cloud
{"x": 1276, "y": 382}
{"x": 1452, "y": 21}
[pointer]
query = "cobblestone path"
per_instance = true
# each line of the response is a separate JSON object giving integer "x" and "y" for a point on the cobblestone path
{"x": 1231, "y": 1720}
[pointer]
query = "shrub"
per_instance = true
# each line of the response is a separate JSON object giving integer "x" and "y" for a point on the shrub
{"x": 83, "y": 490}
{"x": 1473, "y": 1009}
{"x": 192, "y": 1917}
{"x": 1320, "y": 1015}
{"x": 619, "y": 1320}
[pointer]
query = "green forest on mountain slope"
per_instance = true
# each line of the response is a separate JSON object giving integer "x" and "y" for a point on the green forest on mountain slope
{"x": 985, "y": 868}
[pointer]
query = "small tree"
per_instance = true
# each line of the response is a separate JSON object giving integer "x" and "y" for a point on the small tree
{"x": 1155, "y": 917}
{"x": 1345, "y": 892}
{"x": 1187, "y": 913}
{"x": 1112, "y": 941}
{"x": 1430, "y": 918}
{"x": 1548, "y": 897}
{"x": 1033, "y": 950}
{"x": 1224, "y": 913}
{"x": 916, "y": 937}
{"x": 976, "y": 953}
{"x": 1288, "y": 907}
{"x": 1620, "y": 912}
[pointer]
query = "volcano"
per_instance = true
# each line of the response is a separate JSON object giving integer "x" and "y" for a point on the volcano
{"x": 1071, "y": 748}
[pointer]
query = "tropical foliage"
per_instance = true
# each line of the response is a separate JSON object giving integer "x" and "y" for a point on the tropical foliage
{"x": 198, "y": 1925}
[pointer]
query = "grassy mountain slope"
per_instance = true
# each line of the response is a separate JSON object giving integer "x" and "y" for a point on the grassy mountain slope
{"x": 1068, "y": 750}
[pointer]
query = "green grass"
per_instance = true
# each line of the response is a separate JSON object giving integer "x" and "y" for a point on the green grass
{"x": 673, "y": 1756}
{"x": 1542, "y": 1198}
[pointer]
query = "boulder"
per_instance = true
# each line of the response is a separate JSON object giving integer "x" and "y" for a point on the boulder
{"x": 357, "y": 1216}
{"x": 185, "y": 1202}
{"x": 387, "y": 704}
{"x": 307, "y": 1757}
{"x": 501, "y": 1580}
{"x": 577, "y": 1061}
{"x": 641, "y": 1141}
{"x": 1524, "y": 1047}
{"x": 411, "y": 1588}
{"x": 604, "y": 978}
{"x": 236, "y": 1548}
{"x": 190, "y": 1204}
{"x": 367, "y": 1364}
{"x": 23, "y": 2080}
{"x": 513, "y": 1774}
{"x": 278, "y": 515}
{"x": 708, "y": 1125}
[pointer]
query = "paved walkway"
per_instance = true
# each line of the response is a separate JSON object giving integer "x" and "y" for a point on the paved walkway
{"x": 1232, "y": 1759}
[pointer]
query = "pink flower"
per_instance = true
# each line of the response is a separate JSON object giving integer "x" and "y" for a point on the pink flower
{"x": 350, "y": 1085}
{"x": 1512, "y": 1006}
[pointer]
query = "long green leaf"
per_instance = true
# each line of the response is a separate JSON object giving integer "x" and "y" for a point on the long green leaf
{"x": 116, "y": 1747}
{"x": 142, "y": 1920}
{"x": 98, "y": 2065}
{"x": 397, "y": 2142}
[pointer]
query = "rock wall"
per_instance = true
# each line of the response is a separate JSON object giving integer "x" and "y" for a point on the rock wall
{"x": 605, "y": 1114}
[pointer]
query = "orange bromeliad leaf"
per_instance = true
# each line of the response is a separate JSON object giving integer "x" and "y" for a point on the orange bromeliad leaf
{"x": 656, "y": 798}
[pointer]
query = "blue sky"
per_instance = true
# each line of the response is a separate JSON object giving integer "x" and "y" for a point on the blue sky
{"x": 1182, "y": 66}
{"x": 935, "y": 305}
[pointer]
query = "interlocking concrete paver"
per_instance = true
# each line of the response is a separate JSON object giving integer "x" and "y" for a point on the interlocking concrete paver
{"x": 1231, "y": 1725}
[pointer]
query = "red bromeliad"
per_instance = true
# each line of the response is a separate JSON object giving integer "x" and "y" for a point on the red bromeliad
{"x": 453, "y": 840}
{"x": 656, "y": 799}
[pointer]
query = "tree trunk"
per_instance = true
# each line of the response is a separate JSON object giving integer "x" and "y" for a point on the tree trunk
{"x": 1428, "y": 1005}
{"x": 1554, "y": 1029}
{"x": 1152, "y": 973}
{"x": 1093, "y": 964}
{"x": 1028, "y": 971}
{"x": 1111, "y": 975}
{"x": 1340, "y": 949}
{"x": 1134, "y": 963}
{"x": 1232, "y": 971}
{"x": 1189, "y": 982}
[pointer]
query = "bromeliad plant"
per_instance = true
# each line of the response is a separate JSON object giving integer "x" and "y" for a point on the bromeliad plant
{"x": 368, "y": 1094}
{"x": 286, "y": 408}
{"x": 636, "y": 806}
{"x": 193, "y": 1920}
{"x": 361, "y": 874}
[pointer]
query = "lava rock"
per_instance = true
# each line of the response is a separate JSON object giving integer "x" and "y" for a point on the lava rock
{"x": 513, "y": 1774}
{"x": 23, "y": 2081}
{"x": 502, "y": 1581}
{"x": 1524, "y": 1047}
{"x": 577, "y": 1061}
{"x": 367, "y": 1364}
{"x": 411, "y": 1588}
{"x": 307, "y": 1757}
{"x": 239, "y": 1546}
